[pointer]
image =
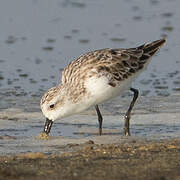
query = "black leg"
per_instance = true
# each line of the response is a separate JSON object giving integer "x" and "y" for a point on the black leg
{"x": 100, "y": 119}
{"x": 128, "y": 113}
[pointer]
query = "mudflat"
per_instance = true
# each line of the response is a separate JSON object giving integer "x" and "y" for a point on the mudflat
{"x": 132, "y": 160}
{"x": 75, "y": 150}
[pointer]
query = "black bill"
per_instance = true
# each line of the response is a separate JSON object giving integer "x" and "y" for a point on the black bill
{"x": 47, "y": 126}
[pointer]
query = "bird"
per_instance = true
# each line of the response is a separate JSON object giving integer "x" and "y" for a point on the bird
{"x": 94, "y": 78}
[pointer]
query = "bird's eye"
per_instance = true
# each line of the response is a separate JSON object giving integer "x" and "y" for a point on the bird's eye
{"x": 51, "y": 106}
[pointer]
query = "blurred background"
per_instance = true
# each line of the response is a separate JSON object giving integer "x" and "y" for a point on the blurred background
{"x": 38, "y": 38}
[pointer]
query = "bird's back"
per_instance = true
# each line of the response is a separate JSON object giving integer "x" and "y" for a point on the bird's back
{"x": 120, "y": 63}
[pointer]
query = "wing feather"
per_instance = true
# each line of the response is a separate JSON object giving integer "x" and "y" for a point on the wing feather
{"x": 117, "y": 63}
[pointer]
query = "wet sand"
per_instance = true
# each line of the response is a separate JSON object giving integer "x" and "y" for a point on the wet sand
{"x": 76, "y": 151}
{"x": 132, "y": 160}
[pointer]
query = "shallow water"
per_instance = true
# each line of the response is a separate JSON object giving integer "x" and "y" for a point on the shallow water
{"x": 18, "y": 139}
{"x": 154, "y": 118}
{"x": 39, "y": 38}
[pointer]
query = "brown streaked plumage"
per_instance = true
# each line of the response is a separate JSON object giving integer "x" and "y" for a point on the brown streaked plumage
{"x": 119, "y": 63}
{"x": 96, "y": 77}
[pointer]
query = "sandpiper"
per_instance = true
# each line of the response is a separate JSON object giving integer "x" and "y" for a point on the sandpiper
{"x": 94, "y": 78}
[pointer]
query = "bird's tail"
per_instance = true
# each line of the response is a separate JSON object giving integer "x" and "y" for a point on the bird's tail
{"x": 151, "y": 48}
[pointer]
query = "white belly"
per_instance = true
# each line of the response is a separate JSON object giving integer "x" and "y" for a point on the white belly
{"x": 101, "y": 91}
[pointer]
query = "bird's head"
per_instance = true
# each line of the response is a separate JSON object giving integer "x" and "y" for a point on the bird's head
{"x": 53, "y": 106}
